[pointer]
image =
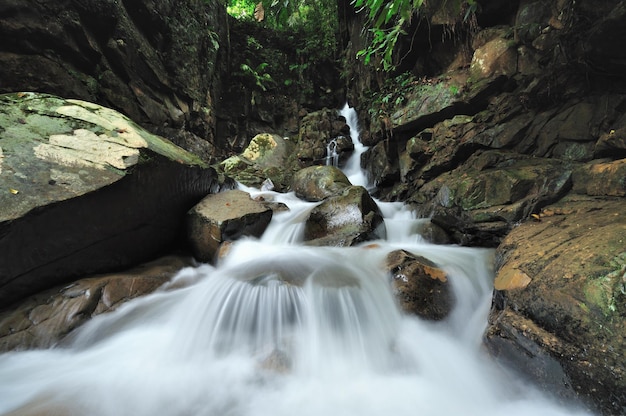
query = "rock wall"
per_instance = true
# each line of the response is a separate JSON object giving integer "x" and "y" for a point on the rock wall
{"x": 155, "y": 61}
{"x": 508, "y": 132}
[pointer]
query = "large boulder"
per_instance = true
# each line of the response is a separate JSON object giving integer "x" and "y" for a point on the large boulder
{"x": 268, "y": 159}
{"x": 346, "y": 219}
{"x": 559, "y": 311}
{"x": 45, "y": 319}
{"x": 224, "y": 217}
{"x": 481, "y": 200}
{"x": 437, "y": 99}
{"x": 317, "y": 183}
{"x": 85, "y": 190}
{"x": 420, "y": 287}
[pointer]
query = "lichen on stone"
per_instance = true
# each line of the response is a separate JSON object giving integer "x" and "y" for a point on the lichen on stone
{"x": 85, "y": 148}
{"x": 233, "y": 164}
{"x": 260, "y": 144}
{"x": 605, "y": 290}
{"x": 122, "y": 130}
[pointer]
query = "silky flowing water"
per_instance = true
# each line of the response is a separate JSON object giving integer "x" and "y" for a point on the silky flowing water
{"x": 279, "y": 328}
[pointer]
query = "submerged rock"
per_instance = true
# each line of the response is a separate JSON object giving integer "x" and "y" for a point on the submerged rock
{"x": 225, "y": 216}
{"x": 85, "y": 190}
{"x": 44, "y": 319}
{"x": 420, "y": 287}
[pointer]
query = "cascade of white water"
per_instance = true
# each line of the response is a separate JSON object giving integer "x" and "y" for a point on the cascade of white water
{"x": 332, "y": 157}
{"x": 277, "y": 328}
{"x": 353, "y": 169}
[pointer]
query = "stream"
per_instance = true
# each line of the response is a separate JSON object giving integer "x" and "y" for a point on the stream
{"x": 278, "y": 328}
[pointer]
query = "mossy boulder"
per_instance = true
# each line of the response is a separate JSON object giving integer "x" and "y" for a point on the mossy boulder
{"x": 84, "y": 190}
{"x": 268, "y": 159}
{"x": 346, "y": 219}
{"x": 483, "y": 199}
{"x": 317, "y": 183}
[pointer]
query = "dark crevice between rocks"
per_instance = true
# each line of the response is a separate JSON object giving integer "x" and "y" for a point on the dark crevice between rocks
{"x": 131, "y": 221}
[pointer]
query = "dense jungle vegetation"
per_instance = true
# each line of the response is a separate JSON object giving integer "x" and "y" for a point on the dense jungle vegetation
{"x": 317, "y": 20}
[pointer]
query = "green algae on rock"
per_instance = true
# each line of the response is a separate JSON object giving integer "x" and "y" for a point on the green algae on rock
{"x": 84, "y": 189}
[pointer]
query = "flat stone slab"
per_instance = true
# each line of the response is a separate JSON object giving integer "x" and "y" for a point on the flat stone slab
{"x": 222, "y": 217}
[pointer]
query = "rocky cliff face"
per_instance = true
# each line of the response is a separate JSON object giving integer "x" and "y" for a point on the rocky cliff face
{"x": 155, "y": 61}
{"x": 509, "y": 134}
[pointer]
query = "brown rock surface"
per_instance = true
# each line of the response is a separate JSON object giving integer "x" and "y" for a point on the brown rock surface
{"x": 560, "y": 304}
{"x": 420, "y": 286}
{"x": 225, "y": 216}
{"x": 42, "y": 320}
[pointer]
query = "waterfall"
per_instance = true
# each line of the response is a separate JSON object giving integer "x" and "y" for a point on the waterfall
{"x": 332, "y": 157}
{"x": 278, "y": 328}
{"x": 353, "y": 169}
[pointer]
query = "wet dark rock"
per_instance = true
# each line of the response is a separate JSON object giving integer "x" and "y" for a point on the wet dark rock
{"x": 432, "y": 233}
{"x": 381, "y": 164}
{"x": 344, "y": 220}
{"x": 602, "y": 47}
{"x": 317, "y": 130}
{"x": 222, "y": 217}
{"x": 44, "y": 319}
{"x": 572, "y": 132}
{"x": 442, "y": 98}
{"x": 86, "y": 190}
{"x": 420, "y": 287}
{"x": 491, "y": 192}
{"x": 317, "y": 183}
{"x": 559, "y": 306}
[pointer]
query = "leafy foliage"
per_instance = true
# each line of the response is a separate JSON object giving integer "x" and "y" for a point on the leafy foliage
{"x": 313, "y": 23}
{"x": 386, "y": 20}
{"x": 261, "y": 78}
{"x": 317, "y": 19}
{"x": 287, "y": 45}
